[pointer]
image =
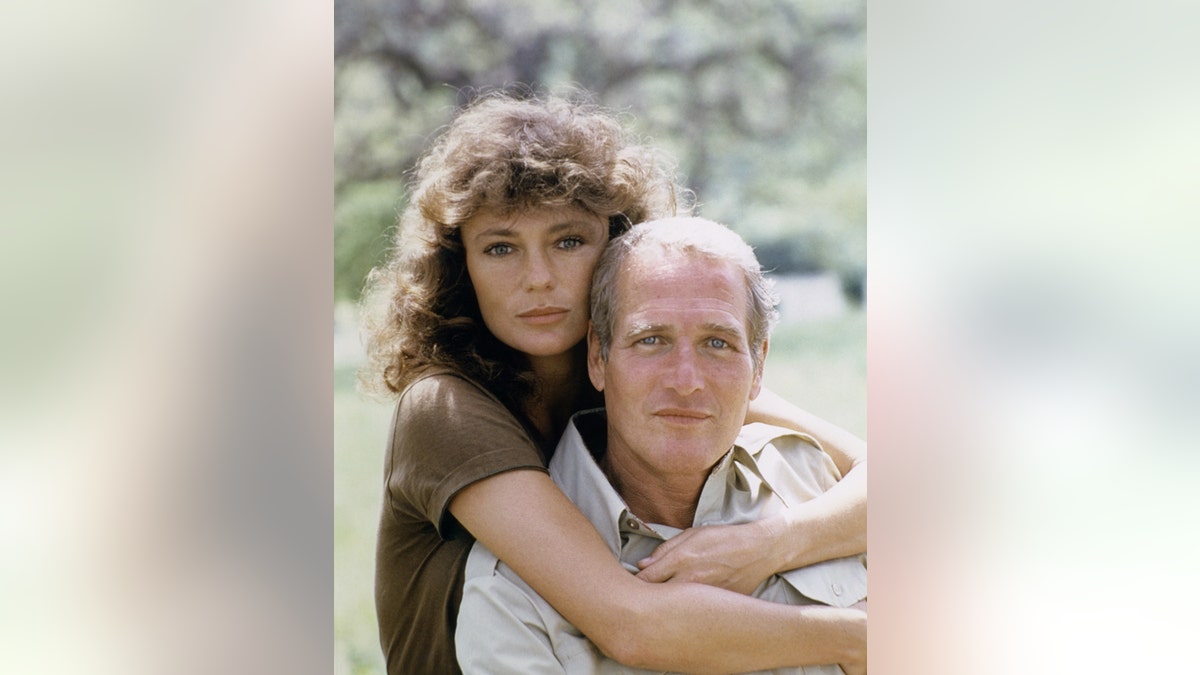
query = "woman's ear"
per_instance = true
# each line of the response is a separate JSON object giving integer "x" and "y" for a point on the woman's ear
{"x": 594, "y": 360}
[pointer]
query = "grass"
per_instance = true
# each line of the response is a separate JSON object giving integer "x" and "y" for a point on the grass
{"x": 360, "y": 432}
{"x": 821, "y": 366}
{"x": 818, "y": 365}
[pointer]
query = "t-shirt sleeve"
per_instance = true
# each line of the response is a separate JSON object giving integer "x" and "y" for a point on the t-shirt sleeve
{"x": 447, "y": 434}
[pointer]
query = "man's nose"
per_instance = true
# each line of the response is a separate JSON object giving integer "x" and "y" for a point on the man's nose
{"x": 684, "y": 372}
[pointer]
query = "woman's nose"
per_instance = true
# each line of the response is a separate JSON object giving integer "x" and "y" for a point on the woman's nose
{"x": 538, "y": 273}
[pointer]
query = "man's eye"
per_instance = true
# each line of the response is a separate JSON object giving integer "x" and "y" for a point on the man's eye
{"x": 717, "y": 343}
{"x": 649, "y": 340}
{"x": 498, "y": 249}
{"x": 570, "y": 243}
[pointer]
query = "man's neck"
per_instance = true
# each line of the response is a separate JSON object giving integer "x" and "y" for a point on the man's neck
{"x": 668, "y": 500}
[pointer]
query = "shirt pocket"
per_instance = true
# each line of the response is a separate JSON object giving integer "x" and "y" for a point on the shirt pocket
{"x": 838, "y": 583}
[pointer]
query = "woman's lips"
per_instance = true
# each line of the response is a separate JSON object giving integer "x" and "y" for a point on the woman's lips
{"x": 543, "y": 315}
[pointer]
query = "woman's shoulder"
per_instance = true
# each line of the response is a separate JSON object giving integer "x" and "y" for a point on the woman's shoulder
{"x": 437, "y": 386}
{"x": 441, "y": 399}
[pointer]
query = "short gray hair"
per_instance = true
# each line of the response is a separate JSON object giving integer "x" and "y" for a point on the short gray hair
{"x": 684, "y": 235}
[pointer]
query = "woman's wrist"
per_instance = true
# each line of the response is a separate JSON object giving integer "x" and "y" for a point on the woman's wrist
{"x": 785, "y": 541}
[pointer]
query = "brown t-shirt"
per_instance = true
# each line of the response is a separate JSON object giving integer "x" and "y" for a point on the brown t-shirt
{"x": 448, "y": 432}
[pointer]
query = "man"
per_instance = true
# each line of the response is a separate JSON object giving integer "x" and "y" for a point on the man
{"x": 680, "y": 320}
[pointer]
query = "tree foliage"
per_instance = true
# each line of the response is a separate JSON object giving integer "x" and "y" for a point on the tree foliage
{"x": 762, "y": 103}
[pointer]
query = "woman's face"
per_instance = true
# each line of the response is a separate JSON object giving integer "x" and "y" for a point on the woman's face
{"x": 532, "y": 271}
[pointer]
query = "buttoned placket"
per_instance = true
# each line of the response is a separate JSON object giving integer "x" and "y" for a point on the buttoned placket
{"x": 639, "y": 539}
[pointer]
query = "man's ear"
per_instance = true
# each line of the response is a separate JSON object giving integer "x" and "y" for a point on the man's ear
{"x": 756, "y": 386}
{"x": 595, "y": 363}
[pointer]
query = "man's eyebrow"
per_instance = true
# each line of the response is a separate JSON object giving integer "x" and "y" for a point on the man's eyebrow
{"x": 724, "y": 328}
{"x": 640, "y": 327}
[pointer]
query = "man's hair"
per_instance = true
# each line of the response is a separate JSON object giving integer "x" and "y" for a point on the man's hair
{"x": 693, "y": 236}
{"x": 503, "y": 153}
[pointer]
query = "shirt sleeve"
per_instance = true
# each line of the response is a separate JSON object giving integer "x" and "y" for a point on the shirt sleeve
{"x": 505, "y": 628}
{"x": 797, "y": 468}
{"x": 449, "y": 433}
{"x": 810, "y": 472}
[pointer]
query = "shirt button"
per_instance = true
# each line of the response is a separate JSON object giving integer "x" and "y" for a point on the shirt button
{"x": 837, "y": 589}
{"x": 631, "y": 524}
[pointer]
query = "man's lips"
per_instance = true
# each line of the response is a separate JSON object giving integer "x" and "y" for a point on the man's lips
{"x": 683, "y": 415}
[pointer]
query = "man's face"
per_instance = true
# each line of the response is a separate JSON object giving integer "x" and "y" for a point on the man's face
{"x": 679, "y": 374}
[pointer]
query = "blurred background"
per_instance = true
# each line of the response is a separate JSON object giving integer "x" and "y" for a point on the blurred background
{"x": 167, "y": 444}
{"x": 762, "y": 104}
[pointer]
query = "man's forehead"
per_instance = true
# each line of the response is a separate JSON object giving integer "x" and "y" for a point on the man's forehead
{"x": 655, "y": 263}
{"x": 665, "y": 289}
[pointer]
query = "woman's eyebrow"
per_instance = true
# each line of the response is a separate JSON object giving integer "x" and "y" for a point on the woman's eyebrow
{"x": 502, "y": 231}
{"x": 570, "y": 225}
{"x": 510, "y": 230}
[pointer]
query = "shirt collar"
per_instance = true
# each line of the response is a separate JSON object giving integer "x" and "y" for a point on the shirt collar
{"x": 575, "y": 470}
{"x": 735, "y": 490}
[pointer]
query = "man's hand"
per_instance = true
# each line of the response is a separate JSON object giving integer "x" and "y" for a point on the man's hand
{"x": 726, "y": 556}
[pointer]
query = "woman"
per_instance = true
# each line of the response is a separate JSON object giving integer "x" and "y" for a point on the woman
{"x": 482, "y": 315}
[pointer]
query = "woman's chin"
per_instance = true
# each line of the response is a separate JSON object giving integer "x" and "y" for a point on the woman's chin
{"x": 547, "y": 348}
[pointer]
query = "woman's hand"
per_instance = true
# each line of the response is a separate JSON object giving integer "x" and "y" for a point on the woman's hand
{"x": 727, "y": 556}
{"x": 857, "y": 667}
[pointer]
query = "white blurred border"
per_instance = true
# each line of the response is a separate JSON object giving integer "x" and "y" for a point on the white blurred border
{"x": 165, "y": 487}
{"x": 1034, "y": 376}
{"x": 164, "y": 477}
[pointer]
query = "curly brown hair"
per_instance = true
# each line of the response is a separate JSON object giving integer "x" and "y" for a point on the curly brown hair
{"x": 502, "y": 153}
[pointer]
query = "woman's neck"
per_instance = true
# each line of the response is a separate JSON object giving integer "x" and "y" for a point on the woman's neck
{"x": 560, "y": 381}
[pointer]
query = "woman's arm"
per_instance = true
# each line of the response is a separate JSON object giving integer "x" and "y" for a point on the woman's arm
{"x": 525, "y": 519}
{"x": 739, "y": 557}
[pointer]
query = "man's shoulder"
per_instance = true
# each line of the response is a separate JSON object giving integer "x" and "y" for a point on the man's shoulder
{"x": 585, "y": 435}
{"x": 779, "y": 450}
{"x": 757, "y": 435}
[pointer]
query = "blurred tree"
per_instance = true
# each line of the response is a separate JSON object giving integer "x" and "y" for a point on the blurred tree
{"x": 762, "y": 103}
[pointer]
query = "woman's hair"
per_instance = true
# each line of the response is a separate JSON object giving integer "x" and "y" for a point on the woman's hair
{"x": 501, "y": 154}
{"x": 684, "y": 236}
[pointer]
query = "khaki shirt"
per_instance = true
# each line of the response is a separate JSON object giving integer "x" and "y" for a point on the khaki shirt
{"x": 504, "y": 626}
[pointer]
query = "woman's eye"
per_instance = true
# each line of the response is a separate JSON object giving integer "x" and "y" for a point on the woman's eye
{"x": 570, "y": 243}
{"x": 498, "y": 249}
